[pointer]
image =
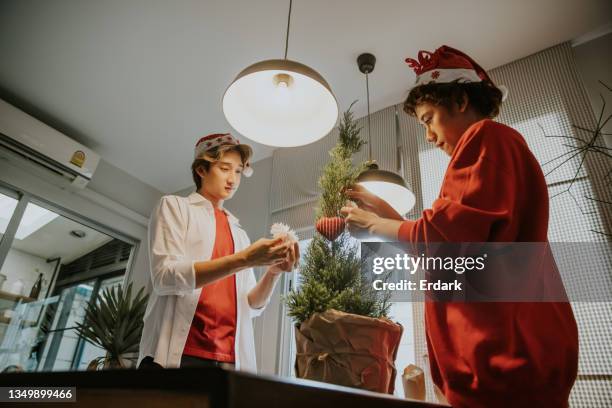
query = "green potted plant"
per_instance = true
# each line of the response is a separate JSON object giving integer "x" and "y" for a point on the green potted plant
{"x": 343, "y": 333}
{"x": 114, "y": 321}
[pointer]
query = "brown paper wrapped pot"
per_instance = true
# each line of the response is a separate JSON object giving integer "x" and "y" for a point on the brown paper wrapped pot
{"x": 346, "y": 349}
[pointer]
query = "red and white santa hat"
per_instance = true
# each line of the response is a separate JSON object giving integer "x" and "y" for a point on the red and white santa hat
{"x": 446, "y": 65}
{"x": 212, "y": 141}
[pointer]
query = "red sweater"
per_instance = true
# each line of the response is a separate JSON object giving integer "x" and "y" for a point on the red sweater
{"x": 509, "y": 354}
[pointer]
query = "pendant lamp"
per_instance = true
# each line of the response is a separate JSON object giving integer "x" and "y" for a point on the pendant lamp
{"x": 281, "y": 103}
{"x": 387, "y": 185}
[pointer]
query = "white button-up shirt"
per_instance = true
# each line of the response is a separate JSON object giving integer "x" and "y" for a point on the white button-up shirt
{"x": 181, "y": 232}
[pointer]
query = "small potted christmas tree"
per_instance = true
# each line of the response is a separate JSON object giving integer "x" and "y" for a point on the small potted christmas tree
{"x": 343, "y": 335}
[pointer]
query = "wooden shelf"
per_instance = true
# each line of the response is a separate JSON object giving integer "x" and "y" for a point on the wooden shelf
{"x": 14, "y": 297}
{"x": 7, "y": 320}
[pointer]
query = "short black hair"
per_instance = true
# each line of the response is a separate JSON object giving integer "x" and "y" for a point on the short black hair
{"x": 484, "y": 96}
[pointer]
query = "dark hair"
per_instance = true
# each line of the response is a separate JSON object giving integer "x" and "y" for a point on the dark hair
{"x": 211, "y": 156}
{"x": 197, "y": 163}
{"x": 484, "y": 97}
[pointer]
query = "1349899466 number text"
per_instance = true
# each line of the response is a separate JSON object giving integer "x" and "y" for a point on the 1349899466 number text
{"x": 40, "y": 394}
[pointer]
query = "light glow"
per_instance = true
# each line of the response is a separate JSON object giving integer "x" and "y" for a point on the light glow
{"x": 400, "y": 198}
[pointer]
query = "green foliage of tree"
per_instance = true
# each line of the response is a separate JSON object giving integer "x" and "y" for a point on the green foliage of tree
{"x": 331, "y": 275}
{"x": 340, "y": 173}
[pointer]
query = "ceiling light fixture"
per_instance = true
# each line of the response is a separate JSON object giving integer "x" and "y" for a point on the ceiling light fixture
{"x": 280, "y": 102}
{"x": 387, "y": 185}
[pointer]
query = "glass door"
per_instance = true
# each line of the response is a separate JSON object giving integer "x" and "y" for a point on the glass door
{"x": 52, "y": 264}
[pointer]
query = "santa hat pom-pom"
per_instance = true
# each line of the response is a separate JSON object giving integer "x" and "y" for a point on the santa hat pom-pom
{"x": 279, "y": 229}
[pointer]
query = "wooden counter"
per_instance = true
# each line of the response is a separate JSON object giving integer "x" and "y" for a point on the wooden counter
{"x": 199, "y": 387}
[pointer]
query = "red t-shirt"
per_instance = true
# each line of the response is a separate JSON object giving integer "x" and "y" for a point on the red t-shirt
{"x": 496, "y": 354}
{"x": 213, "y": 328}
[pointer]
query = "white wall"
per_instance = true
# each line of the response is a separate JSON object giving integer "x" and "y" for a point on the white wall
{"x": 126, "y": 190}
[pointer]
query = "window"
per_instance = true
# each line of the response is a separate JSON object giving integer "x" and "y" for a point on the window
{"x": 52, "y": 264}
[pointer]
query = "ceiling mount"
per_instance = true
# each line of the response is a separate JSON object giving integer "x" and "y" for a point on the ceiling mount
{"x": 387, "y": 185}
{"x": 366, "y": 63}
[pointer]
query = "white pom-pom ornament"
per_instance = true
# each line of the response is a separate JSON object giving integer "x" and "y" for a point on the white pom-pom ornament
{"x": 279, "y": 229}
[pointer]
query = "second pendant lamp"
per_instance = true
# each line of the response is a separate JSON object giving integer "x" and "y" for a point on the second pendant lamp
{"x": 280, "y": 102}
{"x": 385, "y": 184}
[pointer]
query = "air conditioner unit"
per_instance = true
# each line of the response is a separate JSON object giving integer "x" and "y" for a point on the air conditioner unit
{"x": 29, "y": 138}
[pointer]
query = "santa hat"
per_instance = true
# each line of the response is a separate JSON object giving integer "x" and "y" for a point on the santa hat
{"x": 446, "y": 65}
{"x": 212, "y": 141}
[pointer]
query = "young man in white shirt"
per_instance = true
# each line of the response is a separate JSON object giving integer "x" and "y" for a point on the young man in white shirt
{"x": 204, "y": 289}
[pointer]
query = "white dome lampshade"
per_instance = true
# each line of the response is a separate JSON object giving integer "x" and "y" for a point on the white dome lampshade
{"x": 280, "y": 103}
{"x": 389, "y": 187}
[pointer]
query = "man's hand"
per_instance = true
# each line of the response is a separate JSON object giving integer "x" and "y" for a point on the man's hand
{"x": 363, "y": 198}
{"x": 359, "y": 222}
{"x": 290, "y": 262}
{"x": 362, "y": 223}
{"x": 266, "y": 252}
{"x": 369, "y": 201}
{"x": 260, "y": 294}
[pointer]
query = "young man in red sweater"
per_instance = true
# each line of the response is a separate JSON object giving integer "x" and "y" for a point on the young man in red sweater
{"x": 495, "y": 354}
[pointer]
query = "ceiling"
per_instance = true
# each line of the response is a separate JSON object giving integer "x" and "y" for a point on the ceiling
{"x": 138, "y": 81}
{"x": 54, "y": 240}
